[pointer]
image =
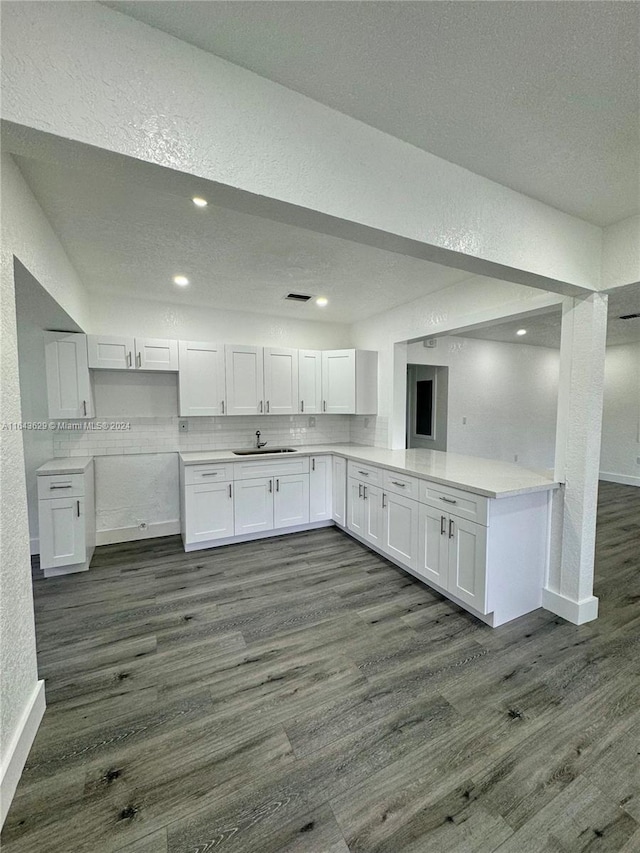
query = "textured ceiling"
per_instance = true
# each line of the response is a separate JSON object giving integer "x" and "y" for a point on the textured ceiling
{"x": 132, "y": 236}
{"x": 543, "y": 330}
{"x": 543, "y": 97}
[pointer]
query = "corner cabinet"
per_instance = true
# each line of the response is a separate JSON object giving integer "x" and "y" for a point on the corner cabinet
{"x": 350, "y": 382}
{"x": 69, "y": 391}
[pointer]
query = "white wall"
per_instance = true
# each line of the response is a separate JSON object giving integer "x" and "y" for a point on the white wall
{"x": 27, "y": 235}
{"x": 86, "y": 73}
{"x": 621, "y": 416}
{"x": 508, "y": 394}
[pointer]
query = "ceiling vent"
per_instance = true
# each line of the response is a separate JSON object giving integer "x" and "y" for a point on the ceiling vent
{"x": 298, "y": 297}
{"x": 629, "y": 316}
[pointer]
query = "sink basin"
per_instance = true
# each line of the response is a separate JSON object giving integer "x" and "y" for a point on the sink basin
{"x": 263, "y": 450}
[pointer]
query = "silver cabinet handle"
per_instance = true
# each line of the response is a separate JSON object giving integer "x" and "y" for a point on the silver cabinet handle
{"x": 209, "y": 473}
{"x": 230, "y": 492}
{"x": 302, "y": 405}
{"x": 449, "y": 500}
{"x": 260, "y": 406}
{"x": 270, "y": 486}
{"x": 222, "y": 407}
{"x": 277, "y": 485}
{"x": 61, "y": 487}
{"x": 84, "y": 407}
{"x": 78, "y": 508}
{"x": 443, "y": 525}
{"x": 324, "y": 405}
{"x": 359, "y": 490}
{"x": 451, "y": 526}
{"x": 129, "y": 359}
{"x": 313, "y": 464}
{"x": 139, "y": 359}
{"x": 396, "y": 483}
{"x": 267, "y": 407}
{"x": 384, "y": 500}
{"x": 364, "y": 492}
{"x": 364, "y": 473}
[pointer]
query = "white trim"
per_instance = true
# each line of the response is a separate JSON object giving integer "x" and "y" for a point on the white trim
{"x": 577, "y": 612}
{"x": 131, "y": 534}
{"x": 18, "y": 751}
{"x": 252, "y": 537}
{"x": 625, "y": 479}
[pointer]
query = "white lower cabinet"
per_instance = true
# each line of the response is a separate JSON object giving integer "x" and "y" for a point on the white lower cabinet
{"x": 320, "y": 488}
{"x": 453, "y": 555}
{"x": 291, "y": 500}
{"x": 209, "y": 511}
{"x": 66, "y": 519}
{"x": 365, "y": 511}
{"x": 253, "y": 505}
{"x": 400, "y": 528}
{"x": 355, "y": 506}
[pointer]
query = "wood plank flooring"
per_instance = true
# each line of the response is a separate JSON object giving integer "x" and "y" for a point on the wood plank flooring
{"x": 302, "y": 695}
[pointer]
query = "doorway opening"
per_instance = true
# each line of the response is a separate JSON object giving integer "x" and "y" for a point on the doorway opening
{"x": 427, "y": 402}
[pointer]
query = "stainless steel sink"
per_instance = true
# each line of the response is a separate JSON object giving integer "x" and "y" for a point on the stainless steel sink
{"x": 255, "y": 452}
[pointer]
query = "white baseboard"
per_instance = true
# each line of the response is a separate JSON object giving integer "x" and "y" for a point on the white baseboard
{"x": 624, "y": 479}
{"x": 19, "y": 747}
{"x": 577, "y": 612}
{"x": 131, "y": 534}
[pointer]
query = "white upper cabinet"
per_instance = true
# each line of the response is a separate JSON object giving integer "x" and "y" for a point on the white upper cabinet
{"x": 350, "y": 382}
{"x": 69, "y": 391}
{"x": 280, "y": 381}
{"x": 245, "y": 384}
{"x": 156, "y": 354}
{"x": 110, "y": 352}
{"x": 201, "y": 379}
{"x": 310, "y": 381}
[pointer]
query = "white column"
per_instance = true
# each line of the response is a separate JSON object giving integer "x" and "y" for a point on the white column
{"x": 569, "y": 591}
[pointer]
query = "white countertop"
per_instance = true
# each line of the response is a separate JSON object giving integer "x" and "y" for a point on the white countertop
{"x": 487, "y": 477}
{"x": 66, "y": 465}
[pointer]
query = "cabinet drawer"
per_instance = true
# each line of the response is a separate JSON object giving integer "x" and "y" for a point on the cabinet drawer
{"x": 400, "y": 484}
{"x": 455, "y": 501}
{"x": 262, "y": 467}
{"x": 195, "y": 474}
{"x": 61, "y": 486}
{"x": 365, "y": 473}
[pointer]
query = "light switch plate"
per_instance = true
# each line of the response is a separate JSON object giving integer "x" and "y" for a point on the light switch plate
{"x": 312, "y": 422}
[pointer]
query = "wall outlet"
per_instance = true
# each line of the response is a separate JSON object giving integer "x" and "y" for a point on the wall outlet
{"x": 142, "y": 525}
{"x": 183, "y": 426}
{"x": 515, "y": 457}
{"x": 464, "y": 420}
{"x": 367, "y": 421}
{"x": 312, "y": 422}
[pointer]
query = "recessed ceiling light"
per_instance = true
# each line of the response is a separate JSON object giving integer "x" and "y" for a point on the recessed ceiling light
{"x": 180, "y": 280}
{"x": 200, "y": 202}
{"x": 322, "y": 301}
{"x": 521, "y": 332}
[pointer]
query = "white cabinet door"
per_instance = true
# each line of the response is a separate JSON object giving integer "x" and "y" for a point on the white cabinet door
{"x": 320, "y": 488}
{"x": 355, "y": 506}
{"x": 401, "y": 517}
{"x": 339, "y": 490}
{"x": 433, "y": 546}
{"x": 201, "y": 379}
{"x": 68, "y": 382}
{"x": 280, "y": 381}
{"x": 243, "y": 366}
{"x": 373, "y": 527}
{"x": 208, "y": 512}
{"x": 468, "y": 561}
{"x": 110, "y": 352}
{"x": 310, "y": 381}
{"x": 291, "y": 500}
{"x": 62, "y": 532}
{"x": 156, "y": 354}
{"x": 339, "y": 382}
{"x": 253, "y": 505}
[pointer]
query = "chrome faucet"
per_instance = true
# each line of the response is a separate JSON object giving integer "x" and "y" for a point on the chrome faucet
{"x": 259, "y": 443}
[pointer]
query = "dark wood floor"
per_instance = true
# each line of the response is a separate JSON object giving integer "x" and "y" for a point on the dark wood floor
{"x": 304, "y": 695}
